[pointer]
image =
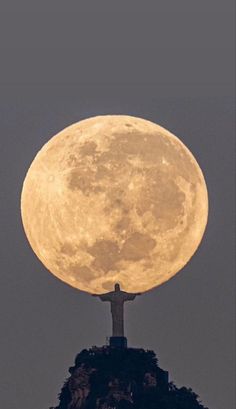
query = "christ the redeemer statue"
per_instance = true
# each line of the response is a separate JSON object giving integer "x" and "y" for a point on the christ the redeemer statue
{"x": 117, "y": 298}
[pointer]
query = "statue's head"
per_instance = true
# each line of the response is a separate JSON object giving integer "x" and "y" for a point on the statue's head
{"x": 117, "y": 287}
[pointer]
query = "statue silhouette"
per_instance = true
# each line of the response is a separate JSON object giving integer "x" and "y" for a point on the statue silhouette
{"x": 117, "y": 298}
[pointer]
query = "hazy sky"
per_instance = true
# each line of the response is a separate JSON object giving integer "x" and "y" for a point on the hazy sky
{"x": 167, "y": 61}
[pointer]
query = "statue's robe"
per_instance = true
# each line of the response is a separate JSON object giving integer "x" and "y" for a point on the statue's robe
{"x": 117, "y": 300}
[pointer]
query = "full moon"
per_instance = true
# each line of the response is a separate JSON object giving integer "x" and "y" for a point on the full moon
{"x": 114, "y": 199}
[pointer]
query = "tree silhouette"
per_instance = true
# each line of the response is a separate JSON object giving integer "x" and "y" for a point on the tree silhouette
{"x": 128, "y": 378}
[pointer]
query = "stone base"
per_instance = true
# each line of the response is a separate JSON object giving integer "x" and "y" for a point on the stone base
{"x": 118, "y": 342}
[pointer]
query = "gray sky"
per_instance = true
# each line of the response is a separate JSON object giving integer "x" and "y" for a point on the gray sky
{"x": 170, "y": 62}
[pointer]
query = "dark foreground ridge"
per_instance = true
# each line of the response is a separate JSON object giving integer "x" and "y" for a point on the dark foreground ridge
{"x": 122, "y": 378}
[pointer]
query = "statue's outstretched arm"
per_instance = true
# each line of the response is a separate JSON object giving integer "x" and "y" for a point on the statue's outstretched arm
{"x": 103, "y": 297}
{"x": 131, "y": 296}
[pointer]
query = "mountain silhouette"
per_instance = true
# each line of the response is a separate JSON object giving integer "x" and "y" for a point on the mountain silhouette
{"x": 122, "y": 378}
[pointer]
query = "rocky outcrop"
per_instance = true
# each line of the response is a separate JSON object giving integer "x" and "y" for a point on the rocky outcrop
{"x": 116, "y": 378}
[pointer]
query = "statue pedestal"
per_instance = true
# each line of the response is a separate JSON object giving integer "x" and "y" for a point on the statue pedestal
{"x": 118, "y": 342}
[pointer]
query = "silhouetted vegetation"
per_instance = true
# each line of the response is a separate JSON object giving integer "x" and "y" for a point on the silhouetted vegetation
{"x": 112, "y": 378}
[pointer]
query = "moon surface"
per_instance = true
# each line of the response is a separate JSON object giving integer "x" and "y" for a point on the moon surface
{"x": 111, "y": 199}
